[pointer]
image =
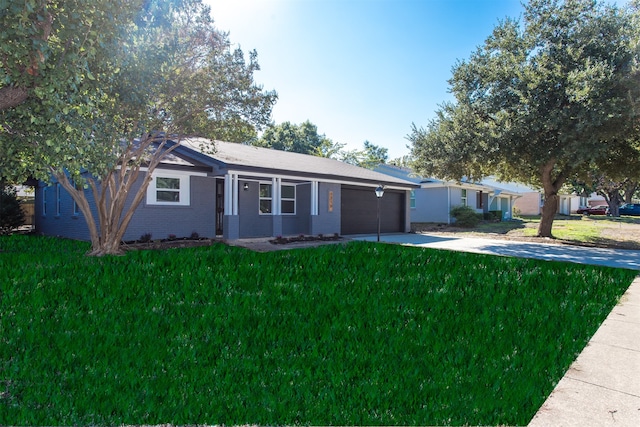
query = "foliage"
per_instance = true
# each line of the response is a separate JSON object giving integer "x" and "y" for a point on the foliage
{"x": 616, "y": 177}
{"x": 11, "y": 214}
{"x": 403, "y": 162}
{"x": 223, "y": 335}
{"x": 303, "y": 138}
{"x": 369, "y": 157}
{"x": 165, "y": 71}
{"x": 46, "y": 47}
{"x": 539, "y": 101}
{"x": 465, "y": 216}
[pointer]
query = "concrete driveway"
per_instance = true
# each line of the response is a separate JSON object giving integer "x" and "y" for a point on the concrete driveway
{"x": 619, "y": 258}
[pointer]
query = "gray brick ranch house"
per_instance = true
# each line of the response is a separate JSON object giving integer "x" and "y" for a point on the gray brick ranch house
{"x": 243, "y": 191}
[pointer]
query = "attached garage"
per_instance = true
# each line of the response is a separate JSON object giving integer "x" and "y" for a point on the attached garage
{"x": 359, "y": 211}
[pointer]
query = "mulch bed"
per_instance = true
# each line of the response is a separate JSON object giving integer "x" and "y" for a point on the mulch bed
{"x": 259, "y": 245}
{"x": 168, "y": 243}
{"x": 302, "y": 238}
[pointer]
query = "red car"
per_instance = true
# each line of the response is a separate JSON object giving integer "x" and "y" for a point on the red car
{"x": 593, "y": 210}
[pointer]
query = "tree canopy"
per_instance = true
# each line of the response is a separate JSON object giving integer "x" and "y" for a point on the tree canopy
{"x": 165, "y": 73}
{"x": 369, "y": 157}
{"x": 538, "y": 102}
{"x": 303, "y": 138}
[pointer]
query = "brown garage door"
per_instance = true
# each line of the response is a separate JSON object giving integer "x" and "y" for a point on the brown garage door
{"x": 358, "y": 211}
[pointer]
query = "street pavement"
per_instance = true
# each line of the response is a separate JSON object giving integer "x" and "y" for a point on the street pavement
{"x": 602, "y": 386}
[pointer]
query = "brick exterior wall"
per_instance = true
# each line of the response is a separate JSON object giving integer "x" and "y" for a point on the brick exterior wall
{"x": 159, "y": 221}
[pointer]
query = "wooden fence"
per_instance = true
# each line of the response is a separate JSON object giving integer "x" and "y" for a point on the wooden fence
{"x": 29, "y": 209}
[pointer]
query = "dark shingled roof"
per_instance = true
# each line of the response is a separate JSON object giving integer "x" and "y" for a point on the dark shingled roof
{"x": 242, "y": 157}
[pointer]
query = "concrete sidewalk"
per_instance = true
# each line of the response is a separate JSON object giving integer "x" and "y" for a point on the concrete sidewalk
{"x": 602, "y": 386}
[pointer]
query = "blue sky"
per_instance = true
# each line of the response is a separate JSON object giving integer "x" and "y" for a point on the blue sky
{"x": 360, "y": 69}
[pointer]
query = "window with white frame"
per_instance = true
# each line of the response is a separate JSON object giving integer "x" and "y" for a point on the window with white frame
{"x": 463, "y": 197}
{"x": 412, "y": 199}
{"x": 265, "y": 199}
{"x": 168, "y": 189}
{"x": 288, "y": 199}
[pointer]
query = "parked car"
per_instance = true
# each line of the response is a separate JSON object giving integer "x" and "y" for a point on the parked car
{"x": 593, "y": 210}
{"x": 629, "y": 209}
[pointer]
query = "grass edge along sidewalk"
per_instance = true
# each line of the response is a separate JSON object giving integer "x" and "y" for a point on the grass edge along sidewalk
{"x": 358, "y": 334}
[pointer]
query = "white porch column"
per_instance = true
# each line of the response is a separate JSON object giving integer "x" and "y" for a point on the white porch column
{"x": 276, "y": 197}
{"x": 231, "y": 194}
{"x": 234, "y": 183}
{"x": 314, "y": 197}
{"x": 228, "y": 209}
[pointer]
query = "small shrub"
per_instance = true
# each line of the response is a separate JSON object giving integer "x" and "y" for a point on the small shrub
{"x": 145, "y": 238}
{"x": 194, "y": 236}
{"x": 465, "y": 216}
{"x": 172, "y": 237}
{"x": 492, "y": 216}
{"x": 516, "y": 212}
{"x": 11, "y": 214}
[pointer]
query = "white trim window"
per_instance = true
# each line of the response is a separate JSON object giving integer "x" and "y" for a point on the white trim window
{"x": 463, "y": 197}
{"x": 288, "y": 199}
{"x": 412, "y": 199}
{"x": 266, "y": 199}
{"x": 169, "y": 189}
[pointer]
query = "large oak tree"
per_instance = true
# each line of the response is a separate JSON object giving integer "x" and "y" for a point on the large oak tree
{"x": 165, "y": 74}
{"x": 541, "y": 100}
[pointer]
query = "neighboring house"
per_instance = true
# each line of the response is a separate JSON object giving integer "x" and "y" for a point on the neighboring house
{"x": 568, "y": 204}
{"x": 530, "y": 200}
{"x": 243, "y": 191}
{"x": 433, "y": 201}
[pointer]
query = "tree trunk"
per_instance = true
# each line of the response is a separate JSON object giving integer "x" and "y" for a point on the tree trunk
{"x": 114, "y": 199}
{"x": 549, "y": 210}
{"x": 630, "y": 189}
{"x": 613, "y": 198}
{"x": 551, "y": 187}
{"x": 613, "y": 204}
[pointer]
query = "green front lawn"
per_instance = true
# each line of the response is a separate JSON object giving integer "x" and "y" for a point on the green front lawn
{"x": 362, "y": 333}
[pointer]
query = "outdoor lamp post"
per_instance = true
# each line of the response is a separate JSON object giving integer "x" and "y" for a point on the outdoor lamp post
{"x": 379, "y": 193}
